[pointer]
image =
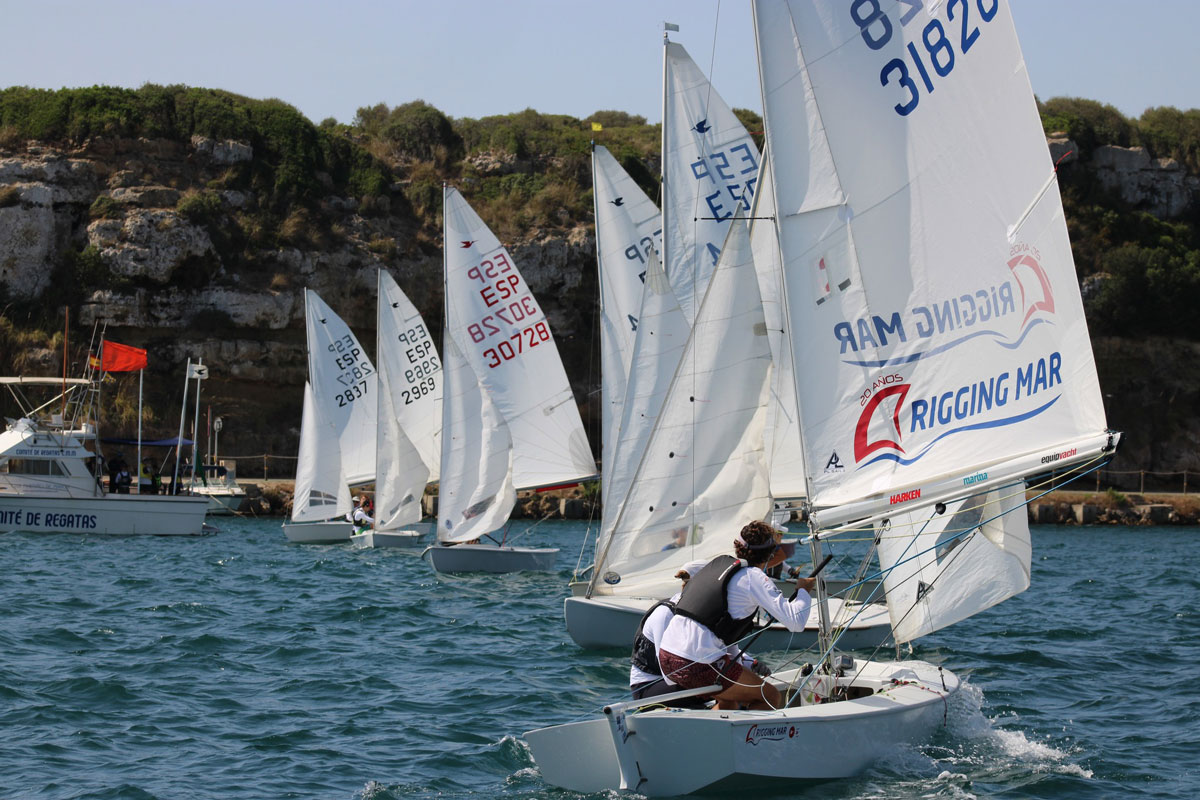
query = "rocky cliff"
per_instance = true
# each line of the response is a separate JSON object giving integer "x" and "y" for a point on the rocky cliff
{"x": 154, "y": 239}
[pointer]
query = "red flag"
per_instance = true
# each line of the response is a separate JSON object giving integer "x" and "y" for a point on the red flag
{"x": 121, "y": 357}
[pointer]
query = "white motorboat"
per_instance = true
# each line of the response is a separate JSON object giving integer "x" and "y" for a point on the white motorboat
{"x": 49, "y": 482}
{"x": 218, "y": 482}
{"x": 942, "y": 361}
{"x": 509, "y": 419}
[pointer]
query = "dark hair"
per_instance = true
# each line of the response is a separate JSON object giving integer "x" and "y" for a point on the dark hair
{"x": 757, "y": 543}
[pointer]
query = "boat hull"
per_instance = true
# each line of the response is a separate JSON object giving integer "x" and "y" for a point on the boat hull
{"x": 120, "y": 514}
{"x": 490, "y": 558}
{"x": 611, "y": 622}
{"x": 673, "y": 752}
{"x": 333, "y": 532}
{"x": 408, "y": 537}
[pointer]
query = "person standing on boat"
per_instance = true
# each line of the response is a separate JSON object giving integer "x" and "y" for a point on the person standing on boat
{"x": 716, "y": 609}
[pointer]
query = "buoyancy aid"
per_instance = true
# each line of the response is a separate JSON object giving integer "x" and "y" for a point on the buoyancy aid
{"x": 645, "y": 652}
{"x": 704, "y": 600}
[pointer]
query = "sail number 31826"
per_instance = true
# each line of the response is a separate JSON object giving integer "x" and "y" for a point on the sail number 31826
{"x": 937, "y": 53}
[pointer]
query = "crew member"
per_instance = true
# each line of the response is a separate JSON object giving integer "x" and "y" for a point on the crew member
{"x": 716, "y": 609}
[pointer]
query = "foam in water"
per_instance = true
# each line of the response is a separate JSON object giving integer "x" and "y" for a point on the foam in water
{"x": 981, "y": 743}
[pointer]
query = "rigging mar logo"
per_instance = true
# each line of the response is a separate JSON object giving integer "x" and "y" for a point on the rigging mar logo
{"x": 897, "y": 406}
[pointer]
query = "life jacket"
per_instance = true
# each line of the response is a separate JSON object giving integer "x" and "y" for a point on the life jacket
{"x": 645, "y": 654}
{"x": 704, "y": 600}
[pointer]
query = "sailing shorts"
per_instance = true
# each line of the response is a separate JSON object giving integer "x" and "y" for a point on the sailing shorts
{"x": 695, "y": 675}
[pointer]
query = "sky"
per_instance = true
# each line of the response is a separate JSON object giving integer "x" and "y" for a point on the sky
{"x": 474, "y": 58}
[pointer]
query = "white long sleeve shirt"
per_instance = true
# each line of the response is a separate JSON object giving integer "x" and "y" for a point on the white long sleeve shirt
{"x": 749, "y": 590}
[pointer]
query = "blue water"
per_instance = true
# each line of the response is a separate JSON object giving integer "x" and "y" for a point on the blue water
{"x": 236, "y": 665}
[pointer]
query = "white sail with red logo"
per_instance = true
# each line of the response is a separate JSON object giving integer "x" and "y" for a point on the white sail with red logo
{"x": 505, "y": 337}
{"x": 344, "y": 384}
{"x": 929, "y": 279}
{"x": 710, "y": 167}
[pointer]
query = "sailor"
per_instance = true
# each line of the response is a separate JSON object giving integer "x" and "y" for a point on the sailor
{"x": 716, "y": 609}
{"x": 361, "y": 516}
{"x": 645, "y": 676}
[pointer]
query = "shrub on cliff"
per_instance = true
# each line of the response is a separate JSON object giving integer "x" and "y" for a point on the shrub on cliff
{"x": 200, "y": 207}
{"x": 1171, "y": 133}
{"x": 1088, "y": 123}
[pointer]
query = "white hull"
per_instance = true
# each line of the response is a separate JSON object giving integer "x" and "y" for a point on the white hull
{"x": 408, "y": 537}
{"x": 602, "y": 622}
{"x": 223, "y": 504}
{"x": 120, "y": 514}
{"x": 333, "y": 532}
{"x": 673, "y": 752}
{"x": 490, "y": 558}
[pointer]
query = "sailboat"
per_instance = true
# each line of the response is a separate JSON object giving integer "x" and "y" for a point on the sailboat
{"x": 642, "y": 350}
{"x": 408, "y": 439}
{"x": 337, "y": 427}
{"x": 942, "y": 366}
{"x": 509, "y": 420}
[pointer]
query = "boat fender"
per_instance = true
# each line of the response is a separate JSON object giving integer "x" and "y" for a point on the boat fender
{"x": 704, "y": 600}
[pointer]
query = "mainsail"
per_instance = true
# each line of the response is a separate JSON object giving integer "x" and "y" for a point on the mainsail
{"x": 932, "y": 299}
{"x": 408, "y": 438}
{"x": 710, "y": 167}
{"x": 343, "y": 386}
{"x": 505, "y": 337}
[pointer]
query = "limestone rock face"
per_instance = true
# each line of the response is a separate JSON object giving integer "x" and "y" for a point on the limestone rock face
{"x": 225, "y": 152}
{"x": 149, "y": 244}
{"x": 1160, "y": 186}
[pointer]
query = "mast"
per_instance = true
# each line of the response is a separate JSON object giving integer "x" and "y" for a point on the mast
{"x": 824, "y": 628}
{"x": 663, "y": 204}
{"x": 179, "y": 440}
{"x": 196, "y": 420}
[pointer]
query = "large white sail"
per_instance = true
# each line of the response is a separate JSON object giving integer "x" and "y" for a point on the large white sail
{"x": 505, "y": 337}
{"x": 940, "y": 568}
{"x": 343, "y": 385}
{"x": 628, "y": 232}
{"x": 704, "y": 471}
{"x": 929, "y": 278}
{"x": 321, "y": 492}
{"x": 710, "y": 167}
{"x": 410, "y": 409}
{"x": 476, "y": 492}
{"x": 662, "y": 335}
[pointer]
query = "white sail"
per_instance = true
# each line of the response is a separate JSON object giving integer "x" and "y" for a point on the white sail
{"x": 710, "y": 167}
{"x": 942, "y": 568}
{"x": 410, "y": 409}
{"x": 343, "y": 385}
{"x": 628, "y": 232}
{"x": 662, "y": 335}
{"x": 476, "y": 492}
{"x": 321, "y": 492}
{"x": 704, "y": 472}
{"x": 505, "y": 337}
{"x": 929, "y": 279}
{"x": 783, "y": 422}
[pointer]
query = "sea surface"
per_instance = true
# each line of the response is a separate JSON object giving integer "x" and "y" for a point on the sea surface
{"x": 236, "y": 665}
